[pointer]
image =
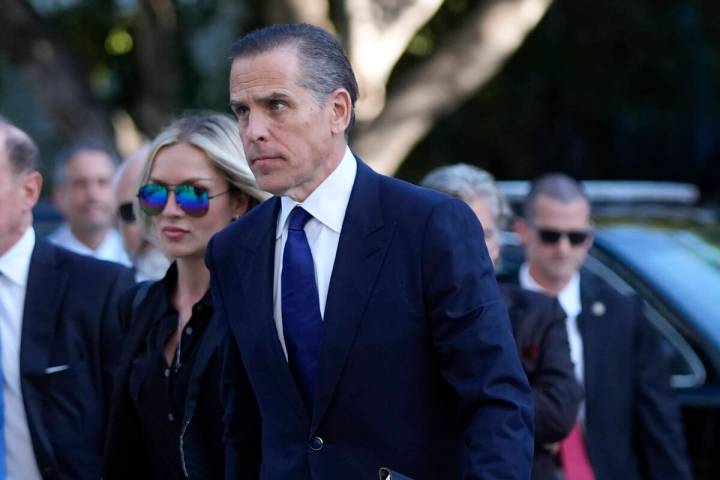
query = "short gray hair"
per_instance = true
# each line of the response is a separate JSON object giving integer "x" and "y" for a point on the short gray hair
{"x": 325, "y": 67}
{"x": 557, "y": 186}
{"x": 21, "y": 150}
{"x": 67, "y": 154}
{"x": 470, "y": 183}
{"x": 216, "y": 135}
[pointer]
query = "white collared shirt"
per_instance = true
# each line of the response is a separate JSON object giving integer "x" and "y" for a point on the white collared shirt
{"x": 569, "y": 298}
{"x": 327, "y": 204}
{"x": 111, "y": 248}
{"x": 15, "y": 264}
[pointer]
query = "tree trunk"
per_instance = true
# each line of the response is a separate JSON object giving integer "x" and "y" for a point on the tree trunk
{"x": 468, "y": 60}
{"x": 43, "y": 58}
{"x": 156, "y": 51}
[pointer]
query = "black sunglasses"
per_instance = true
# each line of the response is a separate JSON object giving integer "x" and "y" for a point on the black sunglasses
{"x": 126, "y": 212}
{"x": 193, "y": 200}
{"x": 551, "y": 237}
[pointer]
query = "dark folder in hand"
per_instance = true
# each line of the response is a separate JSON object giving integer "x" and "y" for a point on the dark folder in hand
{"x": 387, "y": 474}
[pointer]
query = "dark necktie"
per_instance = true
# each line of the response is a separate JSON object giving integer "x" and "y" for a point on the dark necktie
{"x": 302, "y": 322}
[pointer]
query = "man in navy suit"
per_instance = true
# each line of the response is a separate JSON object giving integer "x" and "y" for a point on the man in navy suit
{"x": 364, "y": 314}
{"x": 630, "y": 426}
{"x": 58, "y": 331}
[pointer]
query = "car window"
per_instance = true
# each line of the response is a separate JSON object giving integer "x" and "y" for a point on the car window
{"x": 686, "y": 368}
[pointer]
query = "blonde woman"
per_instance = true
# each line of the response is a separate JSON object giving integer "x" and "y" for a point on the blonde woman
{"x": 166, "y": 419}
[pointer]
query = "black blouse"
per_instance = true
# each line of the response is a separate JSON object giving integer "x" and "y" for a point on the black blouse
{"x": 159, "y": 390}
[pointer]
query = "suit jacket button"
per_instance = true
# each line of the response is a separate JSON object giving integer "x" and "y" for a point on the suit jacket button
{"x": 316, "y": 444}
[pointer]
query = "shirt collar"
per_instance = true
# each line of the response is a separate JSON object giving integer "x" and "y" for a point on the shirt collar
{"x": 15, "y": 263}
{"x": 328, "y": 202}
{"x": 569, "y": 296}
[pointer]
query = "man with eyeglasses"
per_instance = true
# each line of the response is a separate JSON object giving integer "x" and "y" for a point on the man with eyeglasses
{"x": 630, "y": 425}
{"x": 148, "y": 262}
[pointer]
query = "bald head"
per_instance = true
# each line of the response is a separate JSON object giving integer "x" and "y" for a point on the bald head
{"x": 20, "y": 183}
{"x": 129, "y": 173}
{"x": 21, "y": 151}
{"x": 126, "y": 186}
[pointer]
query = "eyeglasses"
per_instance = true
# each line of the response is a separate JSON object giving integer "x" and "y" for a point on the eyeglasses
{"x": 126, "y": 212}
{"x": 193, "y": 200}
{"x": 550, "y": 236}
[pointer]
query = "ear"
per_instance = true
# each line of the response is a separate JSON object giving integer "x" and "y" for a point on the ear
{"x": 340, "y": 111}
{"x": 58, "y": 198}
{"x": 521, "y": 229}
{"x": 31, "y": 188}
{"x": 240, "y": 204}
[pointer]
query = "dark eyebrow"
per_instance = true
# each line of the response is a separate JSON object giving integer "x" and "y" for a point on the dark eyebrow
{"x": 274, "y": 96}
{"x": 235, "y": 103}
{"x": 261, "y": 99}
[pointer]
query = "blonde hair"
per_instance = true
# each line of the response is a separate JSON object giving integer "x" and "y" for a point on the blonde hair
{"x": 217, "y": 136}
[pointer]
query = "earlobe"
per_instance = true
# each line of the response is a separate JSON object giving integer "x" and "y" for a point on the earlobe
{"x": 341, "y": 109}
{"x": 32, "y": 187}
{"x": 57, "y": 197}
{"x": 241, "y": 201}
{"x": 520, "y": 228}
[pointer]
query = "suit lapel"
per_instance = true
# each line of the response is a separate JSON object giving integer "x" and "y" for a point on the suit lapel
{"x": 255, "y": 263}
{"x": 45, "y": 289}
{"x": 592, "y": 329}
{"x": 361, "y": 249}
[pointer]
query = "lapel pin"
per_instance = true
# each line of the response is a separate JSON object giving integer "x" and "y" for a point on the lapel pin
{"x": 598, "y": 309}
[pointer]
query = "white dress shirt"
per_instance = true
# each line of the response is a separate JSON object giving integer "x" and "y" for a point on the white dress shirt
{"x": 569, "y": 298}
{"x": 14, "y": 265}
{"x": 111, "y": 248}
{"x": 327, "y": 204}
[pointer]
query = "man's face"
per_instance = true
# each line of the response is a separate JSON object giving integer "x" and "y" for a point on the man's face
{"x": 18, "y": 194}
{"x": 290, "y": 140}
{"x": 86, "y": 199}
{"x": 554, "y": 262}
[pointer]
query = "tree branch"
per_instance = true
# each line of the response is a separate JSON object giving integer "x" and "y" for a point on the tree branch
{"x": 379, "y": 33}
{"x": 467, "y": 61}
{"x": 156, "y": 53}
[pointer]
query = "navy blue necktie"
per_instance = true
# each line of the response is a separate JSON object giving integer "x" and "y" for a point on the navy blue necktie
{"x": 302, "y": 322}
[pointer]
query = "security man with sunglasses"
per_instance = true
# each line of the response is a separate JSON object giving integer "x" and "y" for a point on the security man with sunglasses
{"x": 630, "y": 425}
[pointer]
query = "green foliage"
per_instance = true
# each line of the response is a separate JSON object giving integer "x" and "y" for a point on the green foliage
{"x": 601, "y": 89}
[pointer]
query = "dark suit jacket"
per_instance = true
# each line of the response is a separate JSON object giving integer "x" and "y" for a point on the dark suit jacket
{"x": 418, "y": 369}
{"x": 70, "y": 319}
{"x": 538, "y": 324}
{"x": 633, "y": 423}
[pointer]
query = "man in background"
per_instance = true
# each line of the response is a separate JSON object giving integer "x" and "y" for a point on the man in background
{"x": 537, "y": 320}
{"x": 148, "y": 262}
{"x": 59, "y": 335}
{"x": 630, "y": 426}
{"x": 84, "y": 195}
